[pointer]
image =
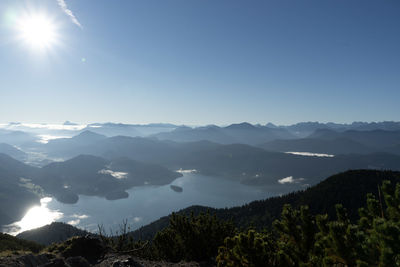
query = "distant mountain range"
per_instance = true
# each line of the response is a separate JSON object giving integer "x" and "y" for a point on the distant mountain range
{"x": 14, "y": 198}
{"x": 246, "y": 133}
{"x": 314, "y": 145}
{"x": 243, "y": 133}
{"x": 106, "y": 167}
{"x": 304, "y": 129}
{"x": 273, "y": 138}
{"x": 107, "y": 159}
{"x": 67, "y": 147}
{"x": 91, "y": 175}
{"x": 299, "y": 130}
{"x": 347, "y": 142}
{"x": 114, "y": 129}
{"x": 379, "y": 139}
{"x": 16, "y": 137}
{"x": 246, "y": 163}
{"x": 12, "y": 151}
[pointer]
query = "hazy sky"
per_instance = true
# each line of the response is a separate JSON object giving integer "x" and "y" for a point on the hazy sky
{"x": 202, "y": 61}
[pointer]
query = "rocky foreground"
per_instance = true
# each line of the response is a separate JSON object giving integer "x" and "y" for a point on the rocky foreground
{"x": 84, "y": 252}
{"x": 114, "y": 260}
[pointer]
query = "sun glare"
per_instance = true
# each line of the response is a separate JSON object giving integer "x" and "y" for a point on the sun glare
{"x": 37, "y": 216}
{"x": 38, "y": 31}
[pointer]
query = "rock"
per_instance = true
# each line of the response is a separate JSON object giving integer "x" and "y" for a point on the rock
{"x": 129, "y": 262}
{"x": 90, "y": 248}
{"x": 26, "y": 260}
{"x": 77, "y": 262}
{"x": 55, "y": 263}
{"x": 34, "y": 260}
{"x": 118, "y": 260}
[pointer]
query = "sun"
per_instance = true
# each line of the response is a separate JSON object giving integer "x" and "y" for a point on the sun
{"x": 37, "y": 30}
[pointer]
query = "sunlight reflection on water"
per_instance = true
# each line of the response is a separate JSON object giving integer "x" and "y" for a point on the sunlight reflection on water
{"x": 36, "y": 216}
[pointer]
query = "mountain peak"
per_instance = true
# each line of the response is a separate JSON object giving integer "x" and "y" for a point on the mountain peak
{"x": 69, "y": 123}
{"x": 89, "y": 134}
{"x": 241, "y": 126}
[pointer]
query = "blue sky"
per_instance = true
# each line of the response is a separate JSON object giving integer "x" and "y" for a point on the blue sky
{"x": 204, "y": 61}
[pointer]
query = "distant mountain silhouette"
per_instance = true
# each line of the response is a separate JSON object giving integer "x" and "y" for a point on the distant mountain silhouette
{"x": 186, "y": 134}
{"x": 91, "y": 175}
{"x": 381, "y": 140}
{"x": 137, "y": 148}
{"x": 385, "y": 125}
{"x": 14, "y": 198}
{"x": 9, "y": 165}
{"x": 245, "y": 163}
{"x": 244, "y": 133}
{"x": 16, "y": 137}
{"x": 115, "y": 129}
{"x": 84, "y": 138}
{"x": 331, "y": 146}
{"x": 12, "y": 151}
{"x": 241, "y": 126}
{"x": 259, "y": 167}
{"x": 52, "y": 233}
{"x": 299, "y": 130}
{"x": 325, "y": 134}
{"x": 107, "y": 166}
{"x": 304, "y": 129}
{"x": 69, "y": 123}
{"x": 68, "y": 147}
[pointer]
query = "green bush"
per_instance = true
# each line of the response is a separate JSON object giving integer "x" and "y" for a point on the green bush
{"x": 300, "y": 239}
{"x": 11, "y": 243}
{"x": 247, "y": 249}
{"x": 88, "y": 247}
{"x": 192, "y": 238}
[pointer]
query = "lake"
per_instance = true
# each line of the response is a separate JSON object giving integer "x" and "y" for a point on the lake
{"x": 144, "y": 204}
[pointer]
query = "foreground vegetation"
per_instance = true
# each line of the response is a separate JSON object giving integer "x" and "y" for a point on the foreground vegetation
{"x": 298, "y": 238}
{"x": 301, "y": 239}
{"x": 11, "y": 244}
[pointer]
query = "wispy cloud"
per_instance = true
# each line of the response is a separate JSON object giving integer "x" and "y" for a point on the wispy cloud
{"x": 69, "y": 13}
{"x": 74, "y": 222}
{"x": 83, "y": 216}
